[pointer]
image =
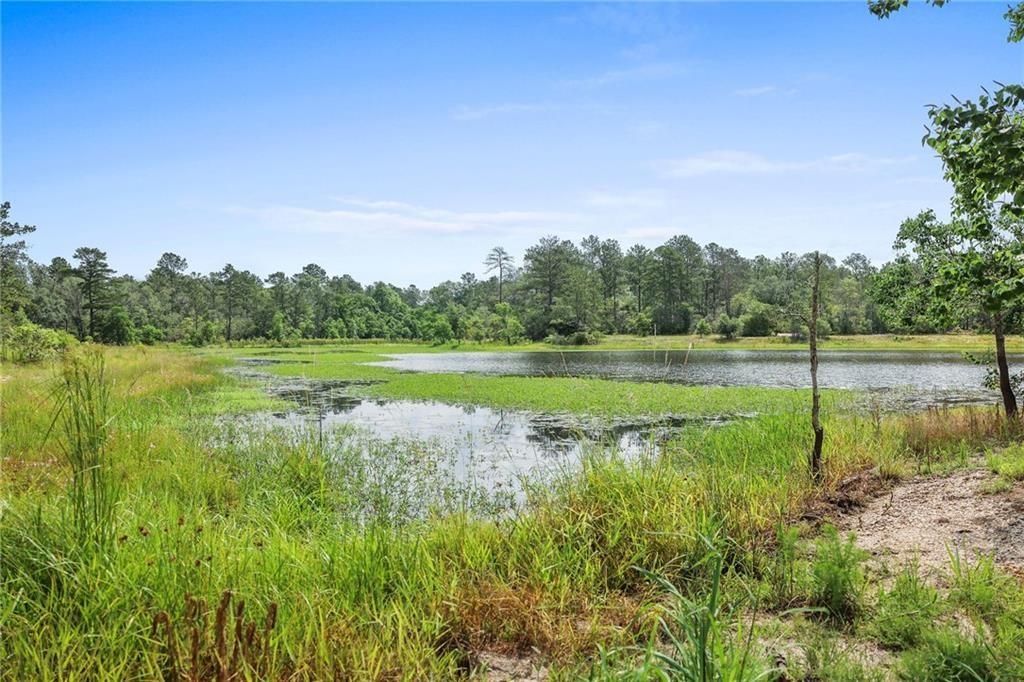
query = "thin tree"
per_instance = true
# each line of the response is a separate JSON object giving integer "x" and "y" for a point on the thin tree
{"x": 812, "y": 339}
{"x": 500, "y": 260}
{"x": 94, "y": 273}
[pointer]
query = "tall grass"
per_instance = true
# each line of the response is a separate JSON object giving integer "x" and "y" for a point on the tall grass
{"x": 379, "y": 563}
{"x": 82, "y": 419}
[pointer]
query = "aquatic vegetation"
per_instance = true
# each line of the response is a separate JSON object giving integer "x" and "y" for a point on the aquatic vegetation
{"x": 377, "y": 559}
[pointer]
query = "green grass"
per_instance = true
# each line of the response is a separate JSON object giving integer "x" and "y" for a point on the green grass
{"x": 545, "y": 394}
{"x": 381, "y": 563}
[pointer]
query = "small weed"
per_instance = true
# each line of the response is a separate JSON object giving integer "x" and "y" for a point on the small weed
{"x": 905, "y": 613}
{"x": 837, "y": 580}
{"x": 947, "y": 655}
{"x": 1008, "y": 462}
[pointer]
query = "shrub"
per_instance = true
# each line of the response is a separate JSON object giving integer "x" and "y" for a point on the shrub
{"x": 758, "y": 321}
{"x": 150, "y": 334}
{"x": 118, "y": 328}
{"x": 703, "y": 328}
{"x": 29, "y": 342}
{"x": 204, "y": 334}
{"x": 641, "y": 324}
{"x": 726, "y": 326}
{"x": 836, "y": 575}
{"x": 580, "y": 338}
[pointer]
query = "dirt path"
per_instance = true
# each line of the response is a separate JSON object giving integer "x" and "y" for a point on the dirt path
{"x": 927, "y": 517}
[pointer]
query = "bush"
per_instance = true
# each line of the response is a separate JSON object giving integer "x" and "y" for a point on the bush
{"x": 703, "y": 328}
{"x": 581, "y": 338}
{"x": 836, "y": 575}
{"x": 641, "y": 324}
{"x": 726, "y": 326}
{"x": 203, "y": 335}
{"x": 29, "y": 342}
{"x": 758, "y": 321}
{"x": 150, "y": 334}
{"x": 118, "y": 328}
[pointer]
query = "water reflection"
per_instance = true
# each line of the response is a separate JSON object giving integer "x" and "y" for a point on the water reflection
{"x": 933, "y": 378}
{"x": 493, "y": 445}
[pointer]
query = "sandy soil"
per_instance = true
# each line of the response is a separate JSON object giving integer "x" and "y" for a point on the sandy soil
{"x": 928, "y": 517}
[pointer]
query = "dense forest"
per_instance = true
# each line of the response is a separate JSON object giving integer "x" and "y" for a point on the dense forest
{"x": 560, "y": 291}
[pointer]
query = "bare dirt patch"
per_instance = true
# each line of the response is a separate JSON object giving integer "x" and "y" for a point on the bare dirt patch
{"x": 503, "y": 668}
{"x": 928, "y": 517}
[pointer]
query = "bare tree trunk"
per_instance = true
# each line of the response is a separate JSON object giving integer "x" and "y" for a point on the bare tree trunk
{"x": 812, "y": 336}
{"x": 1005, "y": 388}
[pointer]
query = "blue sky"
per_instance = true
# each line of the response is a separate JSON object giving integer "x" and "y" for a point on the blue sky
{"x": 401, "y": 142}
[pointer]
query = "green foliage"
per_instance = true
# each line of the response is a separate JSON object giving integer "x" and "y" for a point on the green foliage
{"x": 981, "y": 144}
{"x": 705, "y": 639}
{"x": 948, "y": 655}
{"x": 1008, "y": 462}
{"x": 204, "y": 334}
{"x": 82, "y": 417}
{"x": 727, "y": 327}
{"x": 641, "y": 324}
{"x": 837, "y": 579}
{"x": 579, "y": 338}
{"x": 759, "y": 320}
{"x": 702, "y": 328}
{"x": 907, "y": 612}
{"x": 29, "y": 342}
{"x": 150, "y": 335}
{"x": 118, "y": 328}
{"x": 439, "y": 330}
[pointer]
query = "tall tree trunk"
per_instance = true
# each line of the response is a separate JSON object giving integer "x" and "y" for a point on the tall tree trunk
{"x": 92, "y": 317}
{"x": 1005, "y": 388}
{"x": 500, "y": 278}
{"x": 812, "y": 337}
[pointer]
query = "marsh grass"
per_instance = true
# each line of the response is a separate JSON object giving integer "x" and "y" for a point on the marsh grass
{"x": 82, "y": 418}
{"x": 381, "y": 564}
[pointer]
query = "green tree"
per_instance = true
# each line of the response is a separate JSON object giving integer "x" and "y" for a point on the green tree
{"x": 727, "y": 327}
{"x": 94, "y": 274}
{"x": 13, "y": 284}
{"x": 636, "y": 263}
{"x": 238, "y": 292}
{"x": 1014, "y": 14}
{"x": 977, "y": 266}
{"x": 118, "y": 328}
{"x": 499, "y": 259}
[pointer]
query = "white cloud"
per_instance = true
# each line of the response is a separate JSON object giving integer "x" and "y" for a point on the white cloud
{"x": 757, "y": 91}
{"x": 727, "y": 162}
{"x": 761, "y": 90}
{"x": 641, "y": 198}
{"x": 651, "y": 233}
{"x": 362, "y": 215}
{"x": 643, "y": 72}
{"x": 476, "y": 113}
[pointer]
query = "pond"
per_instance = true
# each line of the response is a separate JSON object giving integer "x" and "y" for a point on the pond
{"x": 947, "y": 375}
{"x": 495, "y": 445}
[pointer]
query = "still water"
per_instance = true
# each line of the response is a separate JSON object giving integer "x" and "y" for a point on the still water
{"x": 869, "y": 371}
{"x": 495, "y": 446}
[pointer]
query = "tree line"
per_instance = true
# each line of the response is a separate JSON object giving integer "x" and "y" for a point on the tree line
{"x": 561, "y": 291}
